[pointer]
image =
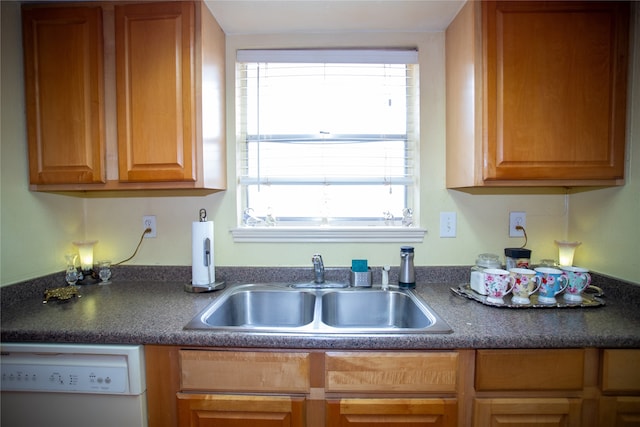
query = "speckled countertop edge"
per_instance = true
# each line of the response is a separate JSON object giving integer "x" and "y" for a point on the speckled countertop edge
{"x": 147, "y": 305}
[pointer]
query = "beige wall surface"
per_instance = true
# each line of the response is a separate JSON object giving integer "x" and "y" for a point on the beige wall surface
{"x": 37, "y": 228}
{"x": 607, "y": 221}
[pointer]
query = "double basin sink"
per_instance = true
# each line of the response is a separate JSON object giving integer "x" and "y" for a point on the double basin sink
{"x": 285, "y": 308}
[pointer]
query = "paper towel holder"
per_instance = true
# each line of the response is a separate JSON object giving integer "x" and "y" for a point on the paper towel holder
{"x": 206, "y": 255}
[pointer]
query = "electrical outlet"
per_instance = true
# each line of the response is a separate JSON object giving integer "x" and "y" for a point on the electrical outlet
{"x": 447, "y": 224}
{"x": 517, "y": 219}
{"x": 149, "y": 221}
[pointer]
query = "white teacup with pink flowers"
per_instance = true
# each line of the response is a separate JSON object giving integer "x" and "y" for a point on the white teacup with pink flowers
{"x": 497, "y": 284}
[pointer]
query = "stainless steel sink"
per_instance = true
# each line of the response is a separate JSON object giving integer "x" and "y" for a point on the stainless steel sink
{"x": 373, "y": 309}
{"x": 286, "y": 308}
{"x": 263, "y": 308}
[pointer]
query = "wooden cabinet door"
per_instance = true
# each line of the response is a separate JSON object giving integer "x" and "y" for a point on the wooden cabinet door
{"x": 210, "y": 410}
{"x": 620, "y": 372}
{"x": 558, "y": 412}
{"x": 556, "y": 83}
{"x": 619, "y": 411}
{"x": 64, "y": 85}
{"x": 155, "y": 91}
{"x": 407, "y": 412}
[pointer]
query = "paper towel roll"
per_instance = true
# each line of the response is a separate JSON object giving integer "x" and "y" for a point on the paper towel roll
{"x": 203, "y": 270}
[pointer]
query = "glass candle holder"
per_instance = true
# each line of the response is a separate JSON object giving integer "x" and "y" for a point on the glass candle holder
{"x": 566, "y": 250}
{"x": 85, "y": 249}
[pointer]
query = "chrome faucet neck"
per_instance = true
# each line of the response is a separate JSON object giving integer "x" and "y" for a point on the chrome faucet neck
{"x": 318, "y": 268}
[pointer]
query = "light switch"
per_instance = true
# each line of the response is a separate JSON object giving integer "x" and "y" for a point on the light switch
{"x": 447, "y": 224}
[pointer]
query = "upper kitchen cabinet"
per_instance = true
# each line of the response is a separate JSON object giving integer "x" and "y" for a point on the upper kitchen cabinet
{"x": 160, "y": 99}
{"x": 536, "y": 94}
{"x": 64, "y": 84}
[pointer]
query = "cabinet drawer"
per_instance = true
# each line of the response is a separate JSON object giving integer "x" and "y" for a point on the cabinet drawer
{"x": 391, "y": 372}
{"x": 231, "y": 371}
{"x": 621, "y": 371}
{"x": 529, "y": 369}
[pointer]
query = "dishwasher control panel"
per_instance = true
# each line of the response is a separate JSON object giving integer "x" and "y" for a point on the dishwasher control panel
{"x": 83, "y": 374}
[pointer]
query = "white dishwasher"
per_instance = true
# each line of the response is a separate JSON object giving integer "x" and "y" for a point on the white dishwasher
{"x": 73, "y": 385}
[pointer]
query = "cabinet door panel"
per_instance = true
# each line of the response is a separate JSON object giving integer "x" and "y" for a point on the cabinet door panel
{"x": 527, "y": 412}
{"x": 154, "y": 89}
{"x": 503, "y": 369}
{"x": 208, "y": 410}
{"x": 556, "y": 90}
{"x": 392, "y": 372}
{"x": 64, "y": 82}
{"x": 245, "y": 371}
{"x": 620, "y": 372}
{"x": 391, "y": 412}
{"x": 620, "y": 411}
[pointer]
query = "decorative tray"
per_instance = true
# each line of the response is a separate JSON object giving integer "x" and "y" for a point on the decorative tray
{"x": 590, "y": 298}
{"x": 62, "y": 294}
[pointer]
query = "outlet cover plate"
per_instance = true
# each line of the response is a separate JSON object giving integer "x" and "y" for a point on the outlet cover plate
{"x": 515, "y": 219}
{"x": 149, "y": 221}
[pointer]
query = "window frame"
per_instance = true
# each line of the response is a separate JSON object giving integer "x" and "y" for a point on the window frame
{"x": 333, "y": 233}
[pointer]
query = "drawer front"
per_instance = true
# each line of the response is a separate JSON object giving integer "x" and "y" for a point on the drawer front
{"x": 244, "y": 371}
{"x": 529, "y": 369}
{"x": 621, "y": 371}
{"x": 391, "y": 372}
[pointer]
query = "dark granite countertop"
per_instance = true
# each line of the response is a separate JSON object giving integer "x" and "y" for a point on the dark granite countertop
{"x": 152, "y": 308}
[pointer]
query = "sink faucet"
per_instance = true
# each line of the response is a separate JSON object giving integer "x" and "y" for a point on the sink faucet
{"x": 318, "y": 268}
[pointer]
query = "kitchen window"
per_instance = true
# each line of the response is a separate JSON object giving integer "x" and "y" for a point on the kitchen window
{"x": 328, "y": 144}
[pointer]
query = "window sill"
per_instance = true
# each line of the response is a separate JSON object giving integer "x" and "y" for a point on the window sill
{"x": 329, "y": 234}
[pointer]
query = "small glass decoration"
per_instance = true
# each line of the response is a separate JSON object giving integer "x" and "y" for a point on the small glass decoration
{"x": 407, "y": 217}
{"x": 104, "y": 271}
{"x": 71, "y": 273}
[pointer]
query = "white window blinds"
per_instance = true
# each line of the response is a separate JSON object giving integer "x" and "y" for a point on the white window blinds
{"x": 327, "y": 137}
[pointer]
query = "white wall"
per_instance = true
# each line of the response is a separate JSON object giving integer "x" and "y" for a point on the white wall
{"x": 43, "y": 225}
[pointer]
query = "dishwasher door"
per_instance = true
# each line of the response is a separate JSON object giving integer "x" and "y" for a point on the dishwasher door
{"x": 72, "y": 385}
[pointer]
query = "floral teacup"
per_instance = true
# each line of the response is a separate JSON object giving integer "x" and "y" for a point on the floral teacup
{"x": 497, "y": 284}
{"x": 551, "y": 282}
{"x": 524, "y": 285}
{"x": 578, "y": 279}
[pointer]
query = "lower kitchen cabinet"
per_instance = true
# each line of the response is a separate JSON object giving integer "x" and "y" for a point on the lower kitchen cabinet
{"x": 243, "y": 388}
{"x": 368, "y": 382}
{"x": 213, "y": 410}
{"x": 585, "y": 387}
{"x": 551, "y": 412}
{"x": 620, "y": 411}
{"x": 620, "y": 405}
{"x": 391, "y": 412}
{"x": 529, "y": 387}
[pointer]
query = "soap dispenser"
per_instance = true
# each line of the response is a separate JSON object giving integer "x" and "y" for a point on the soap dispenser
{"x": 407, "y": 270}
